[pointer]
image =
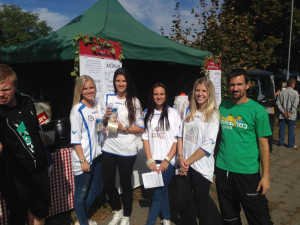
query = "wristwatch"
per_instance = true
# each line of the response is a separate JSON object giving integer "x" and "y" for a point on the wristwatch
{"x": 82, "y": 160}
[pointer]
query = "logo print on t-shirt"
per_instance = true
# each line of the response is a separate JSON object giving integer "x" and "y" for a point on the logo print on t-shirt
{"x": 25, "y": 135}
{"x": 91, "y": 118}
{"x": 212, "y": 141}
{"x": 158, "y": 133}
{"x": 190, "y": 134}
{"x": 230, "y": 122}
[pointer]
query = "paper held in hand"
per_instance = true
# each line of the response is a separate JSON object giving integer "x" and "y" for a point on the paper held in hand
{"x": 152, "y": 180}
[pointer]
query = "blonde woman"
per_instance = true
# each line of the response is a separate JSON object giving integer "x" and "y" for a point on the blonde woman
{"x": 196, "y": 153}
{"x": 86, "y": 161}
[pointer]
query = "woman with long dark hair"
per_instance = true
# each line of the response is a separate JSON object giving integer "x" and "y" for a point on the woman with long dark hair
{"x": 196, "y": 154}
{"x": 160, "y": 139}
{"x": 120, "y": 149}
{"x": 86, "y": 157}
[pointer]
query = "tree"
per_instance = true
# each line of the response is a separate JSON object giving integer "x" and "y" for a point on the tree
{"x": 17, "y": 26}
{"x": 192, "y": 34}
{"x": 237, "y": 38}
{"x": 271, "y": 19}
{"x": 252, "y": 34}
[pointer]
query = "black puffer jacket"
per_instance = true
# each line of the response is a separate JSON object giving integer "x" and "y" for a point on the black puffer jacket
{"x": 17, "y": 158}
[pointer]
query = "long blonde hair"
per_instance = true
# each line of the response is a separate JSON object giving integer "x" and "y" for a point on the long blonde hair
{"x": 211, "y": 105}
{"x": 79, "y": 87}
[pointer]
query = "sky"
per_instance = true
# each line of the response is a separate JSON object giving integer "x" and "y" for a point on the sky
{"x": 152, "y": 13}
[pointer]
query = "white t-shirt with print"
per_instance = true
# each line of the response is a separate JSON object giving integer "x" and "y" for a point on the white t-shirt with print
{"x": 198, "y": 134}
{"x": 83, "y": 131}
{"x": 160, "y": 140}
{"x": 120, "y": 143}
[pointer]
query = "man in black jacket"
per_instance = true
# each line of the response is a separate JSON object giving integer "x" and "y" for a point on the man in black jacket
{"x": 24, "y": 178}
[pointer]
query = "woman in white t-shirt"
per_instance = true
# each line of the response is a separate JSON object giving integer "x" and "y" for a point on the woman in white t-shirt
{"x": 86, "y": 154}
{"x": 160, "y": 139}
{"x": 120, "y": 149}
{"x": 196, "y": 154}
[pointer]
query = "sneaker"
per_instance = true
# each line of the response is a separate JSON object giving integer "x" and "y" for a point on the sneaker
{"x": 125, "y": 221}
{"x": 91, "y": 222}
{"x": 166, "y": 222}
{"x": 295, "y": 146}
{"x": 117, "y": 217}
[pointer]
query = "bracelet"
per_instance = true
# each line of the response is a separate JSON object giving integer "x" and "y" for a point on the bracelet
{"x": 127, "y": 131}
{"x": 180, "y": 155}
{"x": 167, "y": 159}
{"x": 150, "y": 161}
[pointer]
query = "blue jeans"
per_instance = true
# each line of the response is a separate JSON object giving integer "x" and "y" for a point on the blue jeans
{"x": 83, "y": 200}
{"x": 160, "y": 201}
{"x": 291, "y": 132}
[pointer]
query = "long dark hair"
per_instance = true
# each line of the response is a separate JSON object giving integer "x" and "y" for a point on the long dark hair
{"x": 163, "y": 120}
{"x": 130, "y": 94}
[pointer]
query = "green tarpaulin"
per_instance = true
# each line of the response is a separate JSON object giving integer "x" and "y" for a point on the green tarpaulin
{"x": 106, "y": 18}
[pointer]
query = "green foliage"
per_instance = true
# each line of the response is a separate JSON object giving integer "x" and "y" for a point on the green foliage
{"x": 248, "y": 34}
{"x": 17, "y": 26}
{"x": 270, "y": 24}
{"x": 121, "y": 57}
{"x": 195, "y": 35}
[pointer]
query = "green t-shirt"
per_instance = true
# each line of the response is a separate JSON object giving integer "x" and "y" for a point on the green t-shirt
{"x": 241, "y": 126}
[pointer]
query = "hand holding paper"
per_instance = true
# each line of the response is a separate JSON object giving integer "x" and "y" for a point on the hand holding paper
{"x": 152, "y": 180}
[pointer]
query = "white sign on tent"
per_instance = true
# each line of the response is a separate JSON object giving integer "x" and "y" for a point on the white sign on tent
{"x": 215, "y": 77}
{"x": 214, "y": 71}
{"x": 101, "y": 70}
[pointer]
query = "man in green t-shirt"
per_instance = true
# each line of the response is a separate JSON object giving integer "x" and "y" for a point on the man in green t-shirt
{"x": 243, "y": 146}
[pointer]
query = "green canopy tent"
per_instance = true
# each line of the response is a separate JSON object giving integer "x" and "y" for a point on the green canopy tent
{"x": 106, "y": 18}
{"x": 47, "y": 62}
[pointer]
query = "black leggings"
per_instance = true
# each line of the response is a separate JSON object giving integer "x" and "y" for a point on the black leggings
{"x": 110, "y": 163}
{"x": 193, "y": 198}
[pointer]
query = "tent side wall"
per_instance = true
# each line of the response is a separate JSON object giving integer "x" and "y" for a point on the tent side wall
{"x": 54, "y": 81}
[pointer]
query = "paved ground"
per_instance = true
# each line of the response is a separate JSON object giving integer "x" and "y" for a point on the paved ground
{"x": 284, "y": 195}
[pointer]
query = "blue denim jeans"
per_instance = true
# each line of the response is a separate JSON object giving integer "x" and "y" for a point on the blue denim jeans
{"x": 291, "y": 132}
{"x": 160, "y": 201}
{"x": 83, "y": 200}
